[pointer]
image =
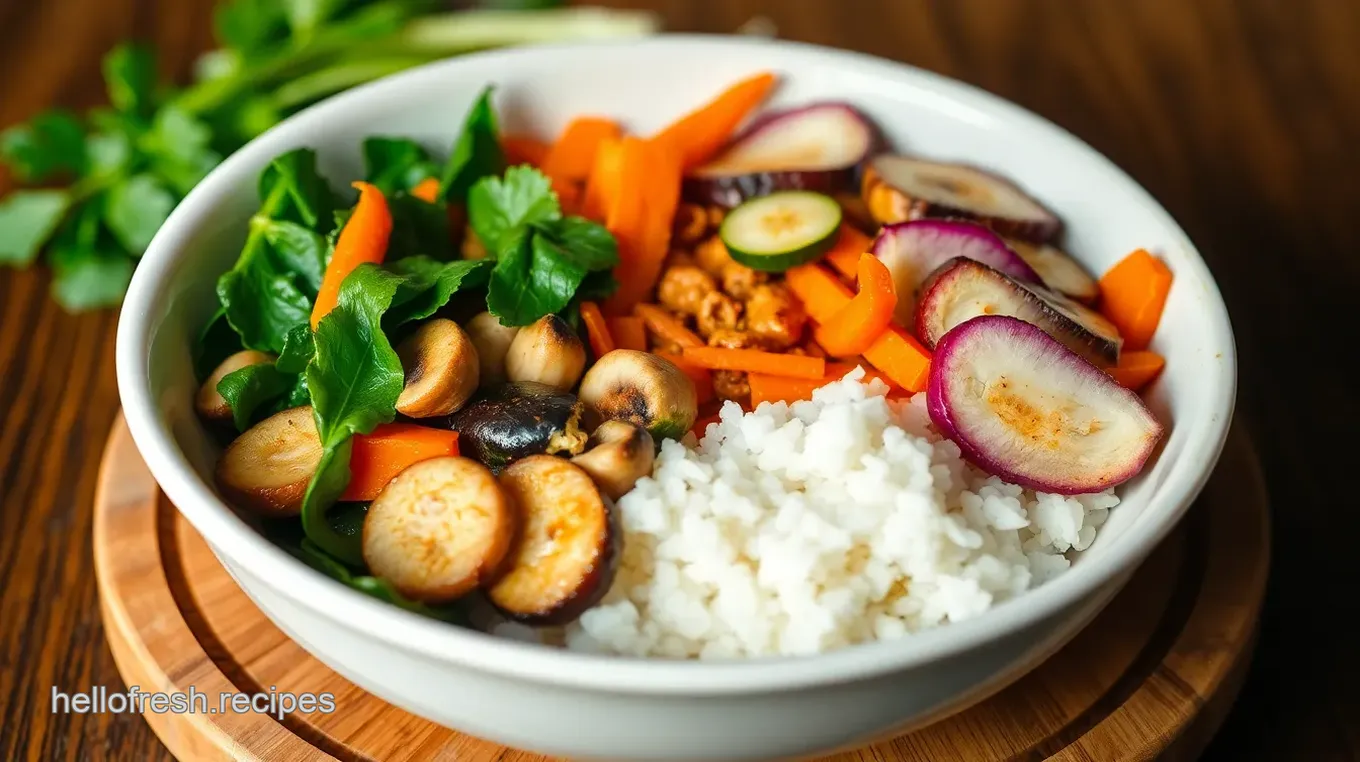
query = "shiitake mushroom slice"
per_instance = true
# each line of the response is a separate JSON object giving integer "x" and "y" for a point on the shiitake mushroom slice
{"x": 267, "y": 468}
{"x": 617, "y": 455}
{"x": 442, "y": 370}
{"x": 517, "y": 420}
{"x": 565, "y": 555}
{"x": 439, "y": 529}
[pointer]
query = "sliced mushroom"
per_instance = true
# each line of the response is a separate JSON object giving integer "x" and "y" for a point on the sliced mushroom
{"x": 617, "y": 455}
{"x": 643, "y": 389}
{"x": 208, "y": 402}
{"x": 439, "y": 529}
{"x": 492, "y": 341}
{"x": 514, "y": 421}
{"x": 267, "y": 468}
{"x": 547, "y": 351}
{"x": 442, "y": 370}
{"x": 564, "y": 557}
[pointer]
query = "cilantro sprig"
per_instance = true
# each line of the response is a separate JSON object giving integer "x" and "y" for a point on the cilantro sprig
{"x": 102, "y": 184}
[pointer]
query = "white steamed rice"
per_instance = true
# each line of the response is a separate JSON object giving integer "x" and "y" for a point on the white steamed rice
{"x": 797, "y": 529}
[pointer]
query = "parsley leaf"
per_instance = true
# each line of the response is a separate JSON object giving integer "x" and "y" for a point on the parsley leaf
{"x": 50, "y": 144}
{"x": 27, "y": 220}
{"x": 429, "y": 285}
{"x": 396, "y": 164}
{"x": 588, "y": 244}
{"x": 477, "y": 153}
{"x": 136, "y": 209}
{"x": 130, "y": 76}
{"x": 523, "y": 196}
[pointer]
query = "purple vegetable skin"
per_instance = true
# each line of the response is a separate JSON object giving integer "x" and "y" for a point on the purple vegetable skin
{"x": 902, "y": 188}
{"x": 913, "y": 250}
{"x": 962, "y": 289}
{"x": 1022, "y": 406}
{"x": 817, "y": 147}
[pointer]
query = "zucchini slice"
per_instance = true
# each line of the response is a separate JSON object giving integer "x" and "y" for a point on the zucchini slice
{"x": 782, "y": 230}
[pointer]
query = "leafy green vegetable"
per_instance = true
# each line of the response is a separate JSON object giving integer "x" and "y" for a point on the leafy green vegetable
{"x": 396, "y": 164}
{"x": 130, "y": 74}
{"x": 419, "y": 228}
{"x": 476, "y": 155}
{"x": 497, "y": 204}
{"x": 274, "y": 282}
{"x": 137, "y": 159}
{"x": 136, "y": 210}
{"x": 542, "y": 259}
{"x": 429, "y": 285}
{"x": 216, "y": 342}
{"x": 354, "y": 379}
{"x": 27, "y": 220}
{"x": 50, "y": 144}
{"x": 257, "y": 391}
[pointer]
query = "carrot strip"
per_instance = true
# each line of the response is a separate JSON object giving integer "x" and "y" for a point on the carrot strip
{"x": 835, "y": 371}
{"x": 756, "y": 361}
{"x": 768, "y": 388}
{"x": 1133, "y": 294}
{"x": 667, "y": 326}
{"x": 1137, "y": 368}
{"x": 844, "y": 254}
{"x": 572, "y": 157}
{"x": 703, "y": 380}
{"x": 392, "y": 448}
{"x": 523, "y": 149}
{"x": 364, "y": 239}
{"x": 896, "y": 352}
{"x": 820, "y": 292}
{"x": 603, "y": 184}
{"x": 628, "y": 332}
{"x": 648, "y": 238}
{"x": 856, "y": 326}
{"x": 699, "y": 134}
{"x": 427, "y": 190}
{"x": 601, "y": 343}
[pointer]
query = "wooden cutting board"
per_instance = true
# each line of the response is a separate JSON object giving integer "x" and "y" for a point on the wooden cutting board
{"x": 1151, "y": 678}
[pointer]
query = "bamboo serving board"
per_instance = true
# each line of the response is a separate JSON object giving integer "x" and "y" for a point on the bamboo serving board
{"x": 1151, "y": 678}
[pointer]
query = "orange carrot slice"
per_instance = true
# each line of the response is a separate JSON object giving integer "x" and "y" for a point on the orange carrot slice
{"x": 1137, "y": 368}
{"x": 572, "y": 157}
{"x": 392, "y": 448}
{"x": 768, "y": 388}
{"x": 364, "y": 239}
{"x": 427, "y": 190}
{"x": 1133, "y": 294}
{"x": 645, "y": 240}
{"x": 603, "y": 184}
{"x": 698, "y": 135}
{"x": 523, "y": 149}
{"x": 756, "y": 361}
{"x": 844, "y": 254}
{"x": 855, "y": 327}
{"x": 601, "y": 343}
{"x": 703, "y": 380}
{"x": 896, "y": 352}
{"x": 628, "y": 332}
{"x": 667, "y": 326}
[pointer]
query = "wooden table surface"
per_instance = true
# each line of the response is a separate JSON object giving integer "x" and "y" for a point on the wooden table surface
{"x": 1242, "y": 116}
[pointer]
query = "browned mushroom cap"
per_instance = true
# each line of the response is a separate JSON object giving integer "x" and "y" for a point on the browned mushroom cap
{"x": 441, "y": 370}
{"x": 547, "y": 351}
{"x": 564, "y": 557}
{"x": 267, "y": 468}
{"x": 439, "y": 529}
{"x": 492, "y": 341}
{"x": 208, "y": 403}
{"x": 617, "y": 455}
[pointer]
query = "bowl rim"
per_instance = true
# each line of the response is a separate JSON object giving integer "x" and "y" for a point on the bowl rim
{"x": 233, "y": 539}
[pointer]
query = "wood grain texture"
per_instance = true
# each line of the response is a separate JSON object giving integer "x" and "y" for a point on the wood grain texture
{"x": 1240, "y": 115}
{"x": 1151, "y": 677}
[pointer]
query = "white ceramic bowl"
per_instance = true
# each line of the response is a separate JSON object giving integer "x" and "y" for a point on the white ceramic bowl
{"x": 577, "y": 705}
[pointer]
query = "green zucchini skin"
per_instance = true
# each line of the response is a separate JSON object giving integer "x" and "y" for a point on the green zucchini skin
{"x": 516, "y": 420}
